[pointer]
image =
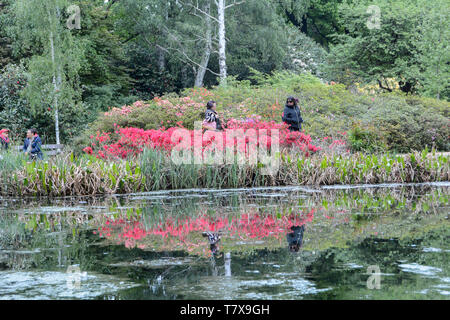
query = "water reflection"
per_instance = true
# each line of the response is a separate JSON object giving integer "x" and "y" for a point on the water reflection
{"x": 295, "y": 238}
{"x": 236, "y": 244}
{"x": 213, "y": 238}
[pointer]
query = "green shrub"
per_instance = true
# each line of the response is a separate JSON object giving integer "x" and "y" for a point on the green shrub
{"x": 392, "y": 122}
{"x": 366, "y": 139}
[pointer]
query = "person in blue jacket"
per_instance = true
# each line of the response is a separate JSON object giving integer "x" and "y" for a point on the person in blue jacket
{"x": 32, "y": 145}
{"x": 292, "y": 115}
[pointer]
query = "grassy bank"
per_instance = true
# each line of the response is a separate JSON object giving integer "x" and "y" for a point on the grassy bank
{"x": 153, "y": 170}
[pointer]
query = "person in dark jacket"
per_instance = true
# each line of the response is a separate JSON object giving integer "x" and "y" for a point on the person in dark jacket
{"x": 295, "y": 238}
{"x": 4, "y": 139}
{"x": 32, "y": 145}
{"x": 211, "y": 116}
{"x": 292, "y": 115}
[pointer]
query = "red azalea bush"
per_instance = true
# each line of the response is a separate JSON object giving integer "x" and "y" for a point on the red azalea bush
{"x": 132, "y": 141}
{"x": 337, "y": 144}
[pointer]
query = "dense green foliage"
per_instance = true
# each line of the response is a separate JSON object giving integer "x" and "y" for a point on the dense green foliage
{"x": 14, "y": 109}
{"x": 132, "y": 50}
{"x": 377, "y": 123}
{"x": 407, "y": 42}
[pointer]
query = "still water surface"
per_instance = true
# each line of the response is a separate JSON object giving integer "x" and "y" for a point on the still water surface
{"x": 265, "y": 243}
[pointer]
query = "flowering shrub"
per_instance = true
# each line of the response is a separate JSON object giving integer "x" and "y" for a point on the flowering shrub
{"x": 401, "y": 123}
{"x": 126, "y": 110}
{"x": 160, "y": 112}
{"x": 132, "y": 141}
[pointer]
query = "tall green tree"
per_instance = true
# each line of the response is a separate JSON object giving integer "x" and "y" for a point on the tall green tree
{"x": 371, "y": 52}
{"x": 434, "y": 48}
{"x": 58, "y": 56}
{"x": 15, "y": 113}
{"x": 258, "y": 38}
{"x": 6, "y": 18}
{"x": 150, "y": 32}
{"x": 104, "y": 76}
{"x": 317, "y": 19}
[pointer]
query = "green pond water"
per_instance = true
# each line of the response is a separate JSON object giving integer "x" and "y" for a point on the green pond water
{"x": 358, "y": 242}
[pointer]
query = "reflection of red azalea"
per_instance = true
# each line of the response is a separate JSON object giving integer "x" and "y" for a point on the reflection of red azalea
{"x": 247, "y": 226}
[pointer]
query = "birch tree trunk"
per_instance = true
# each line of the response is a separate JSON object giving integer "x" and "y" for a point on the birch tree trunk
{"x": 56, "y": 84}
{"x": 56, "y": 73}
{"x": 228, "y": 264}
{"x": 438, "y": 95}
{"x": 201, "y": 70}
{"x": 161, "y": 60}
{"x": 222, "y": 42}
{"x": 161, "y": 53}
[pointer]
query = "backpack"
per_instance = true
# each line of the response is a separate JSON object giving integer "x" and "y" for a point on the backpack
{"x": 209, "y": 125}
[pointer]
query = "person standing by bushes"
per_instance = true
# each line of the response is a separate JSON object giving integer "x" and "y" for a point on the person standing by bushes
{"x": 4, "y": 139}
{"x": 32, "y": 145}
{"x": 291, "y": 114}
{"x": 212, "y": 121}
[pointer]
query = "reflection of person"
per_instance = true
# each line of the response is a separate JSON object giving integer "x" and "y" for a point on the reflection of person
{"x": 213, "y": 239}
{"x": 212, "y": 121}
{"x": 32, "y": 145}
{"x": 295, "y": 238}
{"x": 4, "y": 139}
{"x": 291, "y": 114}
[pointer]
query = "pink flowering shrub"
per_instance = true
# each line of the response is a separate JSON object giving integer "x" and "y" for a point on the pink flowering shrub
{"x": 132, "y": 141}
{"x": 126, "y": 110}
{"x": 157, "y": 113}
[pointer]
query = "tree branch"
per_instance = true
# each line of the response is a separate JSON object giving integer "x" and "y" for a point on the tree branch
{"x": 383, "y": 87}
{"x": 186, "y": 57}
{"x": 234, "y": 4}
{"x": 108, "y": 7}
{"x": 131, "y": 38}
{"x": 201, "y": 11}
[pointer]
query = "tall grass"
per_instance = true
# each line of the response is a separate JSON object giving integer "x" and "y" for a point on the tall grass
{"x": 11, "y": 161}
{"x": 67, "y": 175}
{"x": 160, "y": 173}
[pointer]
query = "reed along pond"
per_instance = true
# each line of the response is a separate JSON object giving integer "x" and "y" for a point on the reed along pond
{"x": 342, "y": 242}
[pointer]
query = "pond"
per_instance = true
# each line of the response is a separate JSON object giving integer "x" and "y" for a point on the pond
{"x": 342, "y": 242}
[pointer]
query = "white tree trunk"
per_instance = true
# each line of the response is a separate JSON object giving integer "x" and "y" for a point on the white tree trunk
{"x": 438, "y": 96}
{"x": 228, "y": 264}
{"x": 201, "y": 70}
{"x": 222, "y": 42}
{"x": 161, "y": 53}
{"x": 56, "y": 83}
{"x": 161, "y": 60}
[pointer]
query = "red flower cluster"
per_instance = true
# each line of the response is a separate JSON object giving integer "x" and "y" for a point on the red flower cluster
{"x": 132, "y": 141}
{"x": 287, "y": 138}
